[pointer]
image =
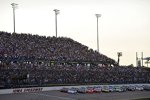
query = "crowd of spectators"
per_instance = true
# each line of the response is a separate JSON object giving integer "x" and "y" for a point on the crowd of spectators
{"x": 45, "y": 75}
{"x": 51, "y": 48}
{"x": 32, "y": 60}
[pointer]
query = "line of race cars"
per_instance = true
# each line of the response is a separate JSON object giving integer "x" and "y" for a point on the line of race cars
{"x": 105, "y": 88}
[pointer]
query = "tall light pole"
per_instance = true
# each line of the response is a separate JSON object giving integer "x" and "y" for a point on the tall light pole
{"x": 97, "y": 16}
{"x": 14, "y": 6}
{"x": 56, "y": 13}
{"x": 119, "y": 55}
{"x": 137, "y": 59}
{"x": 142, "y": 58}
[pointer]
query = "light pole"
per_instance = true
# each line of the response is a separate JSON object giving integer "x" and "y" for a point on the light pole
{"x": 56, "y": 13}
{"x": 97, "y": 16}
{"x": 14, "y": 6}
{"x": 119, "y": 55}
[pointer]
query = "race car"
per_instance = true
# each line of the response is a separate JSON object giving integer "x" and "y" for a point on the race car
{"x": 82, "y": 90}
{"x": 64, "y": 90}
{"x": 119, "y": 88}
{"x": 139, "y": 88}
{"x": 146, "y": 87}
{"x": 89, "y": 90}
{"x": 111, "y": 89}
{"x": 97, "y": 89}
{"x": 105, "y": 89}
{"x": 72, "y": 90}
{"x": 131, "y": 88}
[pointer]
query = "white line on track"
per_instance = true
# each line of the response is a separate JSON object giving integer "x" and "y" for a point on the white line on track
{"x": 64, "y": 98}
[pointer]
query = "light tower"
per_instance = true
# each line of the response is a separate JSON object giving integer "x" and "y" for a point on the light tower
{"x": 119, "y": 55}
{"x": 97, "y": 16}
{"x": 14, "y": 6}
{"x": 56, "y": 13}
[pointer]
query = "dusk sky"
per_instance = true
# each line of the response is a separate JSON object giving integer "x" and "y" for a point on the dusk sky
{"x": 124, "y": 25}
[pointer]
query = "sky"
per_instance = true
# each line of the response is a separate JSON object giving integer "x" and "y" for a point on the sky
{"x": 123, "y": 27}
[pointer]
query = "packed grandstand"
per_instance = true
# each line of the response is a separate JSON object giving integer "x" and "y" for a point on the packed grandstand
{"x": 33, "y": 60}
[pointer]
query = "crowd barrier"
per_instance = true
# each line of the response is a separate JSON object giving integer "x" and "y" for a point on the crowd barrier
{"x": 38, "y": 89}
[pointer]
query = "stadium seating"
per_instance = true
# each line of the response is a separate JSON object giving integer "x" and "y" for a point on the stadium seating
{"x": 33, "y": 60}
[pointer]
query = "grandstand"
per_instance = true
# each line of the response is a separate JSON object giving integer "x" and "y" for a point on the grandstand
{"x": 33, "y": 60}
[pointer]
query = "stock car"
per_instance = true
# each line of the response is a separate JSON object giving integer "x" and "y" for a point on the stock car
{"x": 111, "y": 88}
{"x": 89, "y": 90}
{"x": 119, "y": 88}
{"x": 139, "y": 88}
{"x": 147, "y": 88}
{"x": 64, "y": 90}
{"x": 131, "y": 88}
{"x": 105, "y": 89}
{"x": 72, "y": 90}
{"x": 86, "y": 90}
{"x": 124, "y": 88}
{"x": 97, "y": 89}
{"x": 82, "y": 90}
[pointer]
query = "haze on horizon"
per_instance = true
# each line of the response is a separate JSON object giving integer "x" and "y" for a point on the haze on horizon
{"x": 124, "y": 25}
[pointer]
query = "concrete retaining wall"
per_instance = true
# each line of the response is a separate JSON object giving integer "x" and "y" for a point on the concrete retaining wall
{"x": 38, "y": 89}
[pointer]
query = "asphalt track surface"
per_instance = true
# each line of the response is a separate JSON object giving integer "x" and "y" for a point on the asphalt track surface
{"x": 56, "y": 95}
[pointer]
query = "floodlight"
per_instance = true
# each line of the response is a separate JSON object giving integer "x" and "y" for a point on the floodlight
{"x": 56, "y": 11}
{"x": 98, "y": 15}
{"x": 14, "y": 5}
{"x": 119, "y": 54}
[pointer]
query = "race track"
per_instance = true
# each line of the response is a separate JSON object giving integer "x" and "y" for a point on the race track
{"x": 56, "y": 95}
